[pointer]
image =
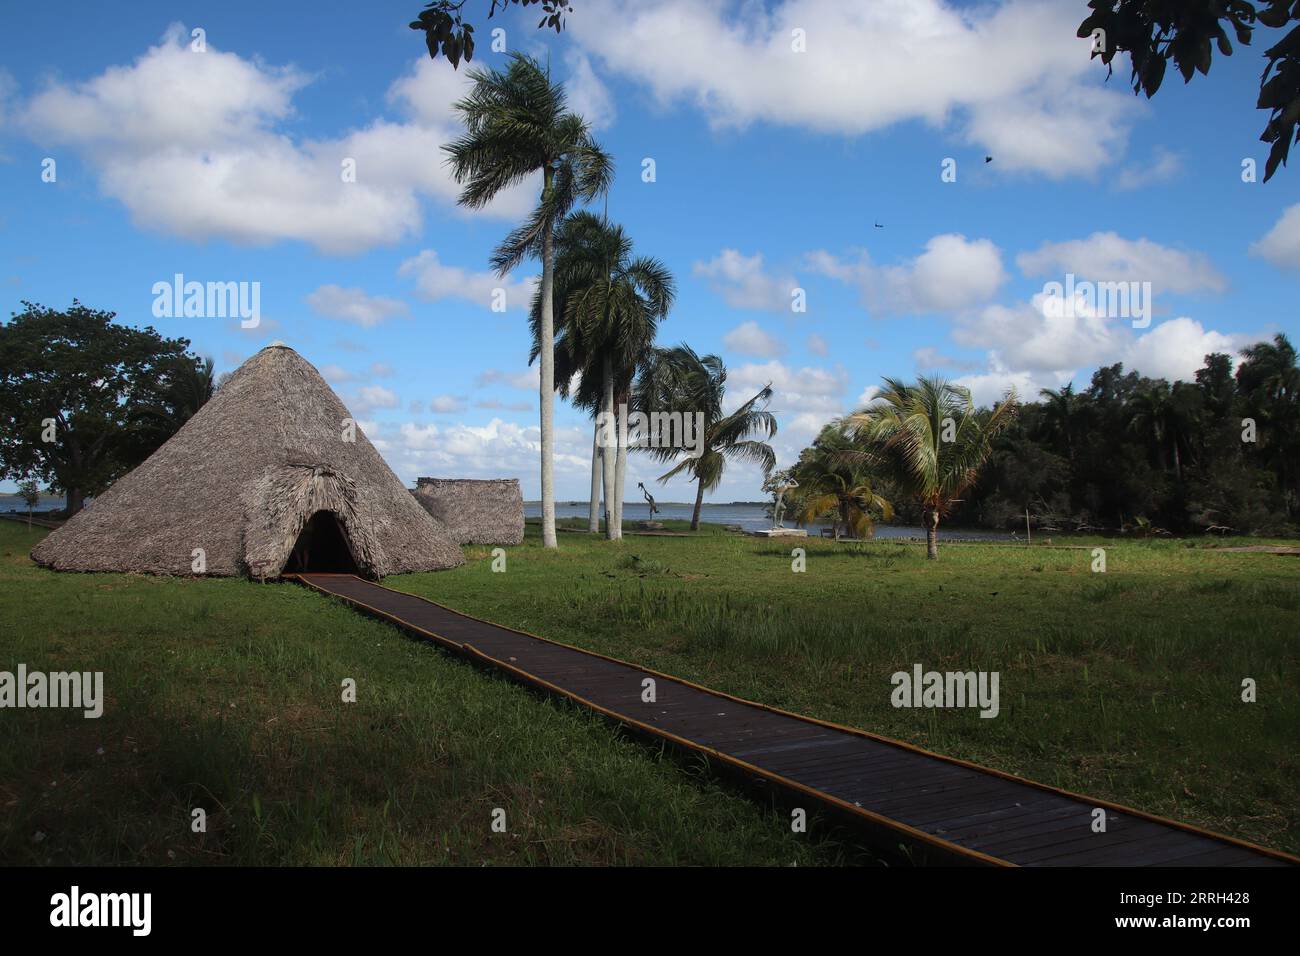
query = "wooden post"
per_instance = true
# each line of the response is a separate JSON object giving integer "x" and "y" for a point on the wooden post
{"x": 1029, "y": 534}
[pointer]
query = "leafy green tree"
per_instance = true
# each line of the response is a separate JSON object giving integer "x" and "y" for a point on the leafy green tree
{"x": 831, "y": 482}
{"x": 936, "y": 440}
{"x": 517, "y": 125}
{"x": 446, "y": 32}
{"x": 679, "y": 380}
{"x": 30, "y": 491}
{"x": 70, "y": 384}
{"x": 181, "y": 388}
{"x": 1186, "y": 32}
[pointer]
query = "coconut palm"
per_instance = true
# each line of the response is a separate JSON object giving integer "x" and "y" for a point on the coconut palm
{"x": 832, "y": 482}
{"x": 609, "y": 307}
{"x": 678, "y": 380}
{"x": 517, "y": 125}
{"x": 935, "y": 439}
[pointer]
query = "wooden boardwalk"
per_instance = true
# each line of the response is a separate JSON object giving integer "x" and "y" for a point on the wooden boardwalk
{"x": 945, "y": 810}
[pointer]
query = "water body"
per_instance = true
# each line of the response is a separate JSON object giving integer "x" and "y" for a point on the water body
{"x": 15, "y": 503}
{"x": 751, "y": 518}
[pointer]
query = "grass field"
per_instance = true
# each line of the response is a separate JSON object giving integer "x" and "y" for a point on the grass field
{"x": 225, "y": 694}
{"x": 1125, "y": 684}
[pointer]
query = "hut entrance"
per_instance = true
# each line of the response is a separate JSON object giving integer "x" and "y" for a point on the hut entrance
{"x": 322, "y": 547}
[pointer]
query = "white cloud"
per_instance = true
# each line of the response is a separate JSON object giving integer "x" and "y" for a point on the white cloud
{"x": 368, "y": 398}
{"x": 1031, "y": 336}
{"x": 499, "y": 449}
{"x": 1160, "y": 168}
{"x": 495, "y": 404}
{"x": 199, "y": 145}
{"x": 928, "y": 358}
{"x": 867, "y": 397}
{"x": 1012, "y": 77}
{"x": 587, "y": 95}
{"x": 1059, "y": 128}
{"x": 803, "y": 399}
{"x": 748, "y": 338}
{"x": 1108, "y": 257}
{"x": 446, "y": 404}
{"x": 1032, "y": 347}
{"x": 336, "y": 374}
{"x": 743, "y": 283}
{"x": 1177, "y": 348}
{"x": 1281, "y": 245}
{"x": 354, "y": 305}
{"x": 527, "y": 380}
{"x": 952, "y": 274}
{"x": 817, "y": 345}
{"x": 992, "y": 386}
{"x": 435, "y": 281}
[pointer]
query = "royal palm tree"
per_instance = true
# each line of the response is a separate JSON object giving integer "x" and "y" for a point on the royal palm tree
{"x": 609, "y": 308}
{"x": 1155, "y": 418}
{"x": 1061, "y": 413}
{"x": 1269, "y": 379}
{"x": 935, "y": 439}
{"x": 678, "y": 380}
{"x": 830, "y": 481}
{"x": 517, "y": 125}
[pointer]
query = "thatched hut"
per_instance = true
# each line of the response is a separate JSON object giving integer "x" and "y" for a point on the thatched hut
{"x": 475, "y": 510}
{"x": 270, "y": 476}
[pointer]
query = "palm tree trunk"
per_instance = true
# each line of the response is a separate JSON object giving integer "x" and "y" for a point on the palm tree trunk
{"x": 547, "y": 385}
{"x": 844, "y": 516}
{"x": 593, "y": 512}
{"x": 931, "y": 518}
{"x": 613, "y": 531}
{"x": 620, "y": 472}
{"x": 699, "y": 503}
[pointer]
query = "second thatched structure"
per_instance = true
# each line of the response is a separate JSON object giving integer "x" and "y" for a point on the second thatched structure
{"x": 475, "y": 510}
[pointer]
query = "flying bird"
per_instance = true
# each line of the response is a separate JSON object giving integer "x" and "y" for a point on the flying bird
{"x": 988, "y": 159}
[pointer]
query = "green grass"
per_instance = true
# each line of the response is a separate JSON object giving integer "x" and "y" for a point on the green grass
{"x": 1125, "y": 685}
{"x": 225, "y": 695}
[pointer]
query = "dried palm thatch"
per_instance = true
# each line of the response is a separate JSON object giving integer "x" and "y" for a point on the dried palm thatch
{"x": 475, "y": 510}
{"x": 242, "y": 479}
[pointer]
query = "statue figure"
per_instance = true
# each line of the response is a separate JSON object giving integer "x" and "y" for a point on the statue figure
{"x": 778, "y": 485}
{"x": 654, "y": 510}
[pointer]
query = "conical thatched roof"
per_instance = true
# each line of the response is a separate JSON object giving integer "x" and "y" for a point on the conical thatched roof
{"x": 241, "y": 479}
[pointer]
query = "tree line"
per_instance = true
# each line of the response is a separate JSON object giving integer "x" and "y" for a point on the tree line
{"x": 1128, "y": 453}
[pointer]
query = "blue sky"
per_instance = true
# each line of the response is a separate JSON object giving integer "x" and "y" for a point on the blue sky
{"x": 772, "y": 166}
